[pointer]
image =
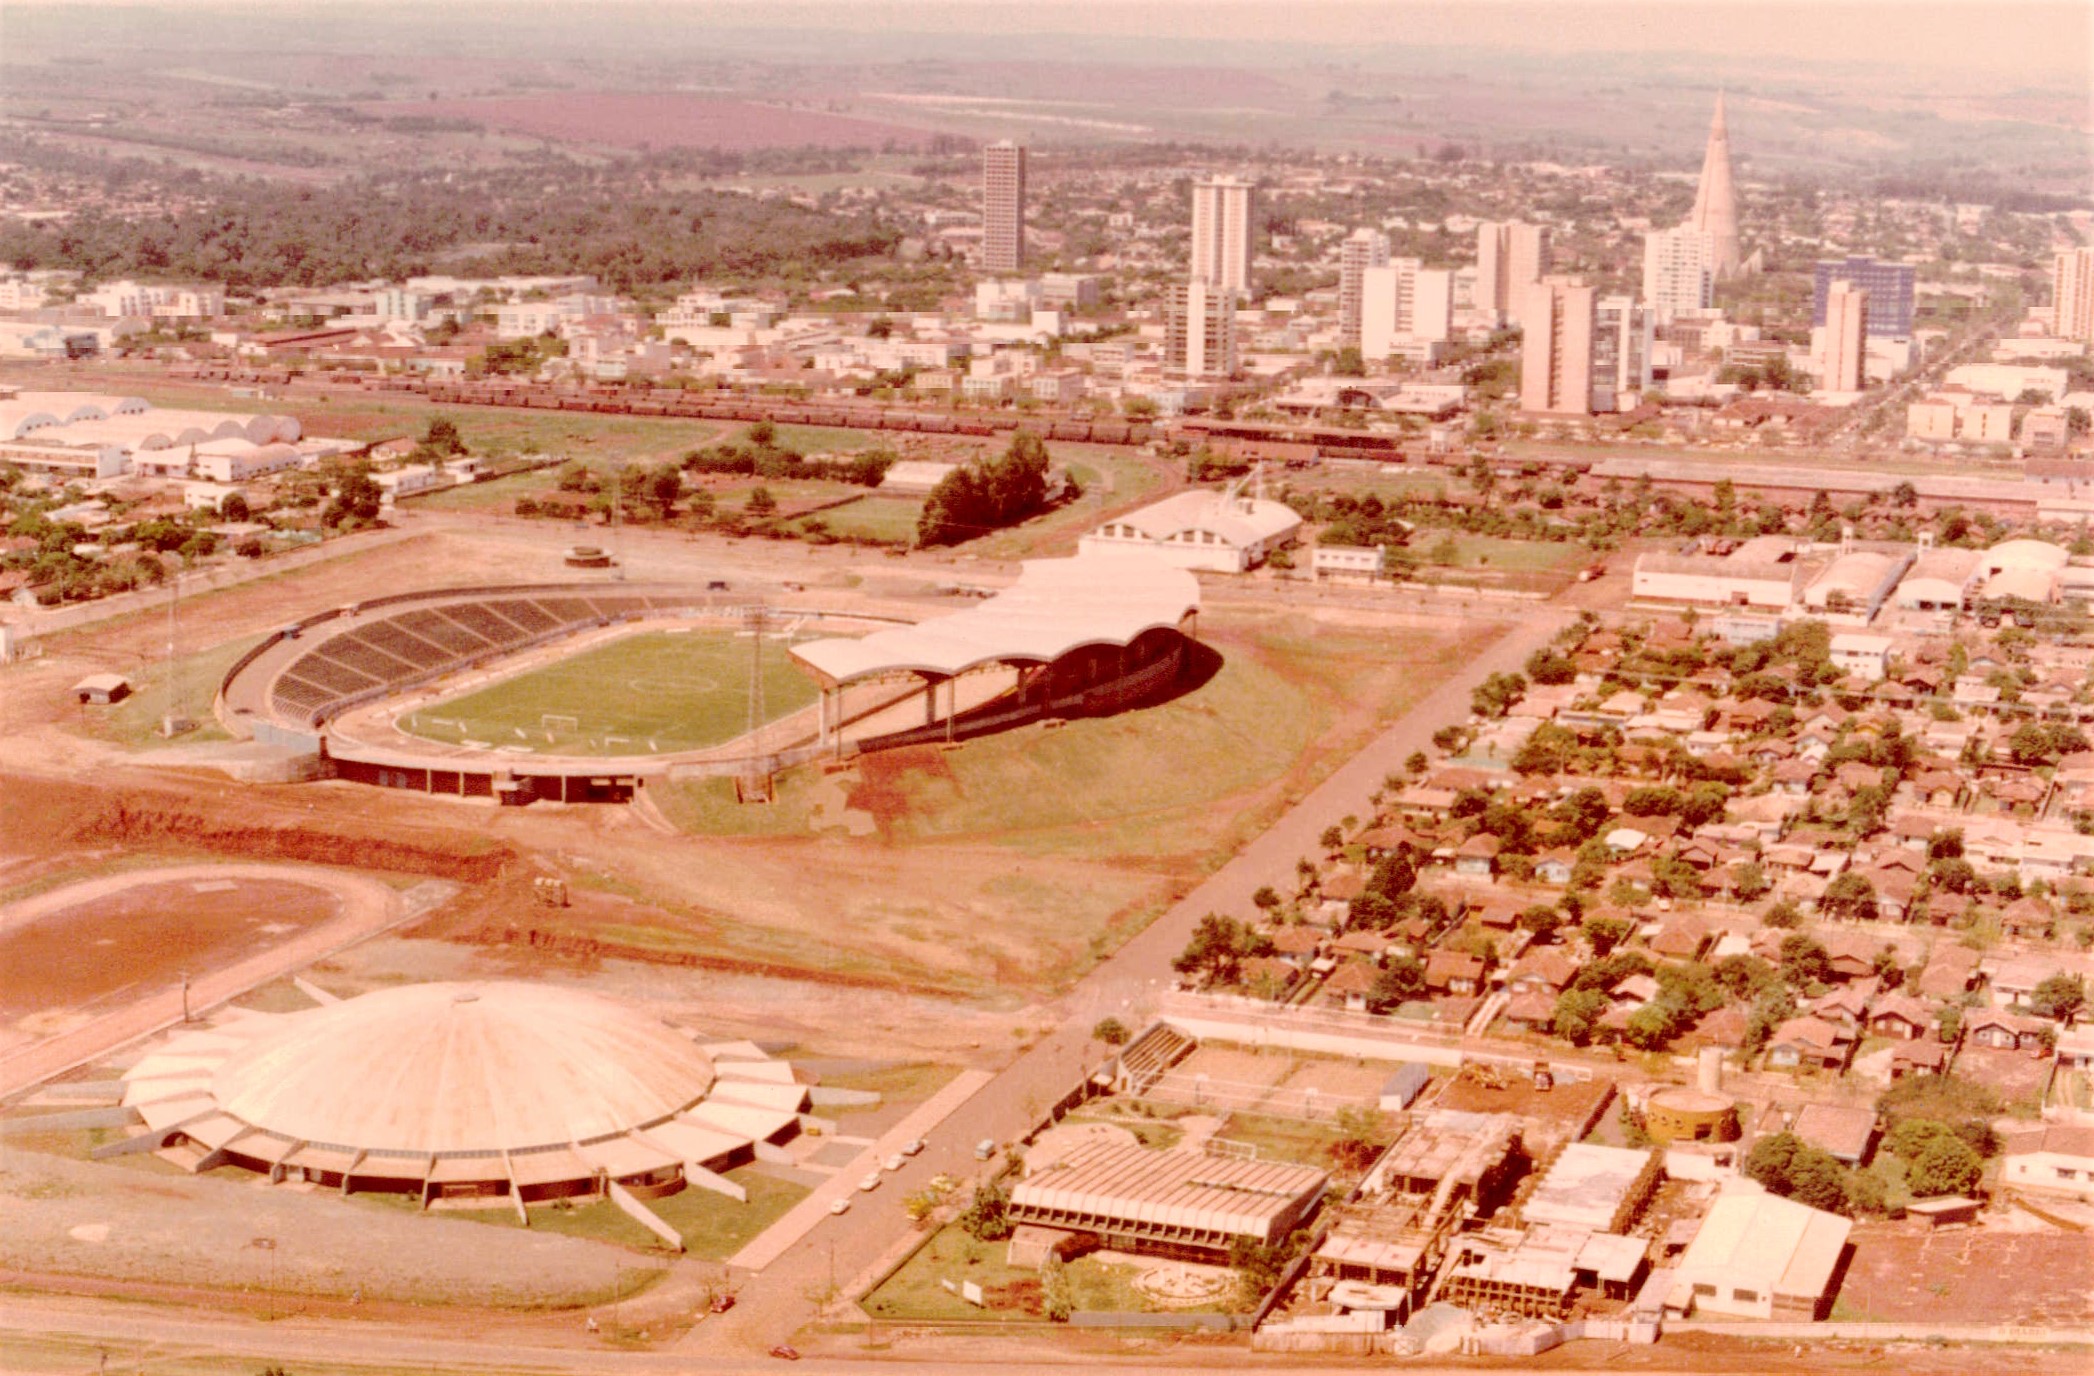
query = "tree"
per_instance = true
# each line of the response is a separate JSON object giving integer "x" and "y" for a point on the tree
{"x": 1218, "y": 948}
{"x": 441, "y": 440}
{"x": 1333, "y": 838}
{"x": 976, "y": 498}
{"x": 235, "y": 507}
{"x": 1577, "y": 1015}
{"x": 1111, "y": 1031}
{"x": 1363, "y": 1131}
{"x": 1348, "y": 363}
{"x": 249, "y": 548}
{"x": 1542, "y": 920}
{"x": 1266, "y": 898}
{"x": 1605, "y": 933}
{"x": 1945, "y": 1165}
{"x": 1415, "y": 763}
{"x": 1495, "y": 696}
{"x": 1393, "y": 877}
{"x": 2060, "y": 996}
{"x": 761, "y": 502}
{"x": 987, "y": 1215}
{"x": 356, "y": 503}
{"x": 1401, "y": 981}
{"x": 1793, "y": 1169}
{"x": 1804, "y": 960}
{"x": 1850, "y": 896}
{"x": 1549, "y": 668}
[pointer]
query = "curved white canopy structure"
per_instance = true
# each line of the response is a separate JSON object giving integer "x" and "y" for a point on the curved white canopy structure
{"x": 1101, "y": 597}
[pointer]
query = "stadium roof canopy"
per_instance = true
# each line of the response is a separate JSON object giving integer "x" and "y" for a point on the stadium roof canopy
{"x": 1101, "y": 597}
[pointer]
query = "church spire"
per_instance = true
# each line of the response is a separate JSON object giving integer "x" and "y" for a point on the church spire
{"x": 1716, "y": 200}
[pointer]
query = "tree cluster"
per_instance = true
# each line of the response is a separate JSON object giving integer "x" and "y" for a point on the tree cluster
{"x": 975, "y": 499}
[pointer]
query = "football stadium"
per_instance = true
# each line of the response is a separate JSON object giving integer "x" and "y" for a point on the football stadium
{"x": 584, "y": 692}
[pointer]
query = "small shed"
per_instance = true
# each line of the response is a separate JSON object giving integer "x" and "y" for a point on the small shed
{"x": 1402, "y": 1089}
{"x": 1945, "y": 1212}
{"x": 102, "y": 689}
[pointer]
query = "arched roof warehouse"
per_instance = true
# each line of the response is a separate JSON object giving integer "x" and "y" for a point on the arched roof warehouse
{"x": 1101, "y": 597}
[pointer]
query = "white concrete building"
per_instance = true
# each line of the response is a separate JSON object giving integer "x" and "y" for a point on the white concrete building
{"x": 1404, "y": 303}
{"x": 2056, "y": 1161}
{"x": 1758, "y": 1256}
{"x": 1203, "y": 529}
{"x": 1866, "y": 657}
{"x": 1679, "y": 271}
{"x": 1223, "y": 232}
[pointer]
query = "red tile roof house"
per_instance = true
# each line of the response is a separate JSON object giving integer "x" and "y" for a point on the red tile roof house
{"x": 1350, "y": 984}
{"x": 1852, "y": 954}
{"x": 1925, "y": 1057}
{"x": 1901, "y": 1016}
{"x": 1846, "y": 1008}
{"x": 1547, "y": 971}
{"x": 1682, "y": 938}
{"x": 1950, "y": 971}
{"x": 1477, "y": 856}
{"x": 1809, "y": 1041}
{"x": 1269, "y": 977}
{"x": 1453, "y": 972}
{"x": 2003, "y": 1031}
{"x": 1726, "y": 1027}
{"x": 1298, "y": 941}
{"x": 1531, "y": 1011}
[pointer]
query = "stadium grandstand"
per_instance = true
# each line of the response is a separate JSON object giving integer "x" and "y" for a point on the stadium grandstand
{"x": 1073, "y": 637}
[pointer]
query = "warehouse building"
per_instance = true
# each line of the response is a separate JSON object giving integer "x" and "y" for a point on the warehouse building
{"x": 1757, "y": 1256}
{"x": 1181, "y": 1204}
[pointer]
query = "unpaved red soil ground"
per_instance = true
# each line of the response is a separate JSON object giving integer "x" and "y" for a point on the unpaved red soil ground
{"x": 1906, "y": 1271}
{"x": 94, "y": 953}
{"x": 1555, "y": 1115}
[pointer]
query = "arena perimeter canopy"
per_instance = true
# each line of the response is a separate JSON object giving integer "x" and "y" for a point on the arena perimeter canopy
{"x": 1057, "y": 606}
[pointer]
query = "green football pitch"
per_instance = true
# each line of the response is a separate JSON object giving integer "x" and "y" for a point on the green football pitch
{"x": 653, "y": 693}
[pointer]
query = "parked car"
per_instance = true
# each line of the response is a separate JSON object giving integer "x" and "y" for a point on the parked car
{"x": 785, "y": 1352}
{"x": 914, "y": 1147}
{"x": 870, "y": 1183}
{"x": 841, "y": 1206}
{"x": 984, "y": 1149}
{"x": 722, "y": 1303}
{"x": 895, "y": 1162}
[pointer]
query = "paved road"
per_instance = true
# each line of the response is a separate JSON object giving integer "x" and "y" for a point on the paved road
{"x": 787, "y": 1295}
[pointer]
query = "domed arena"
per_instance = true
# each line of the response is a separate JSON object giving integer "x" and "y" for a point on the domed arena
{"x": 461, "y": 1091}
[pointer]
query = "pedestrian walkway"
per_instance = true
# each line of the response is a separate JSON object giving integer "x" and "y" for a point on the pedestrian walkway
{"x": 803, "y": 1217}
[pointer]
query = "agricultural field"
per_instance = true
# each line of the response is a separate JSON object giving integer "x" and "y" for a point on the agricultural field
{"x": 662, "y": 120}
{"x": 661, "y": 691}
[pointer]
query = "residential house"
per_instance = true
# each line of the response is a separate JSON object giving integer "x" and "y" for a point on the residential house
{"x": 1809, "y": 1042}
{"x": 1477, "y": 857}
{"x": 1901, "y": 1016}
{"x": 1350, "y": 985}
{"x": 1923, "y": 1057}
{"x": 1548, "y": 970}
{"x": 2052, "y": 1160}
{"x": 2000, "y": 1031}
{"x": 1453, "y": 972}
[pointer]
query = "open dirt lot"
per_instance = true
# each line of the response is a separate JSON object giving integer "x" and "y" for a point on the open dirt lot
{"x": 74, "y": 959}
{"x": 1904, "y": 1272}
{"x": 124, "y": 1223}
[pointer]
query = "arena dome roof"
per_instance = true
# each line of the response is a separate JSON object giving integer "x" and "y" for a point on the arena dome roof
{"x": 499, "y": 1087}
{"x": 438, "y": 1068}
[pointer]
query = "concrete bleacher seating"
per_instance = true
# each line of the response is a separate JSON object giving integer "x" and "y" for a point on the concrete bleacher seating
{"x": 416, "y": 644}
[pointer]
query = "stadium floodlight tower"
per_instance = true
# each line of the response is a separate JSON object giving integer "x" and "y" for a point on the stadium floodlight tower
{"x": 756, "y": 778}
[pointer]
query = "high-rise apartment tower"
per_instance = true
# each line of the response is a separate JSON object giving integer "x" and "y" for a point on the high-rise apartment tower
{"x": 1003, "y": 207}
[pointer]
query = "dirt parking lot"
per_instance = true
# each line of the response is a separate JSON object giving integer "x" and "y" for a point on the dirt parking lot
{"x": 1989, "y": 1274}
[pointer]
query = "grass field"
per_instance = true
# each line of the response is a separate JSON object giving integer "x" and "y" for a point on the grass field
{"x": 652, "y": 692}
{"x": 889, "y": 520}
{"x": 134, "y": 723}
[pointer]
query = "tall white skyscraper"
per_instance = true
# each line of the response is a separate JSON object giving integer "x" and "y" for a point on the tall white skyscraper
{"x": 2072, "y": 282}
{"x": 1558, "y": 316}
{"x": 1622, "y": 335}
{"x": 1843, "y": 340}
{"x": 1223, "y": 219}
{"x": 1003, "y": 207}
{"x": 1679, "y": 271}
{"x": 1404, "y": 303}
{"x": 1510, "y": 257}
{"x": 1364, "y": 249}
{"x": 1200, "y": 330}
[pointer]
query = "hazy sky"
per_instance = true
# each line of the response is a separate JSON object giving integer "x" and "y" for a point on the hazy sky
{"x": 2042, "y": 40}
